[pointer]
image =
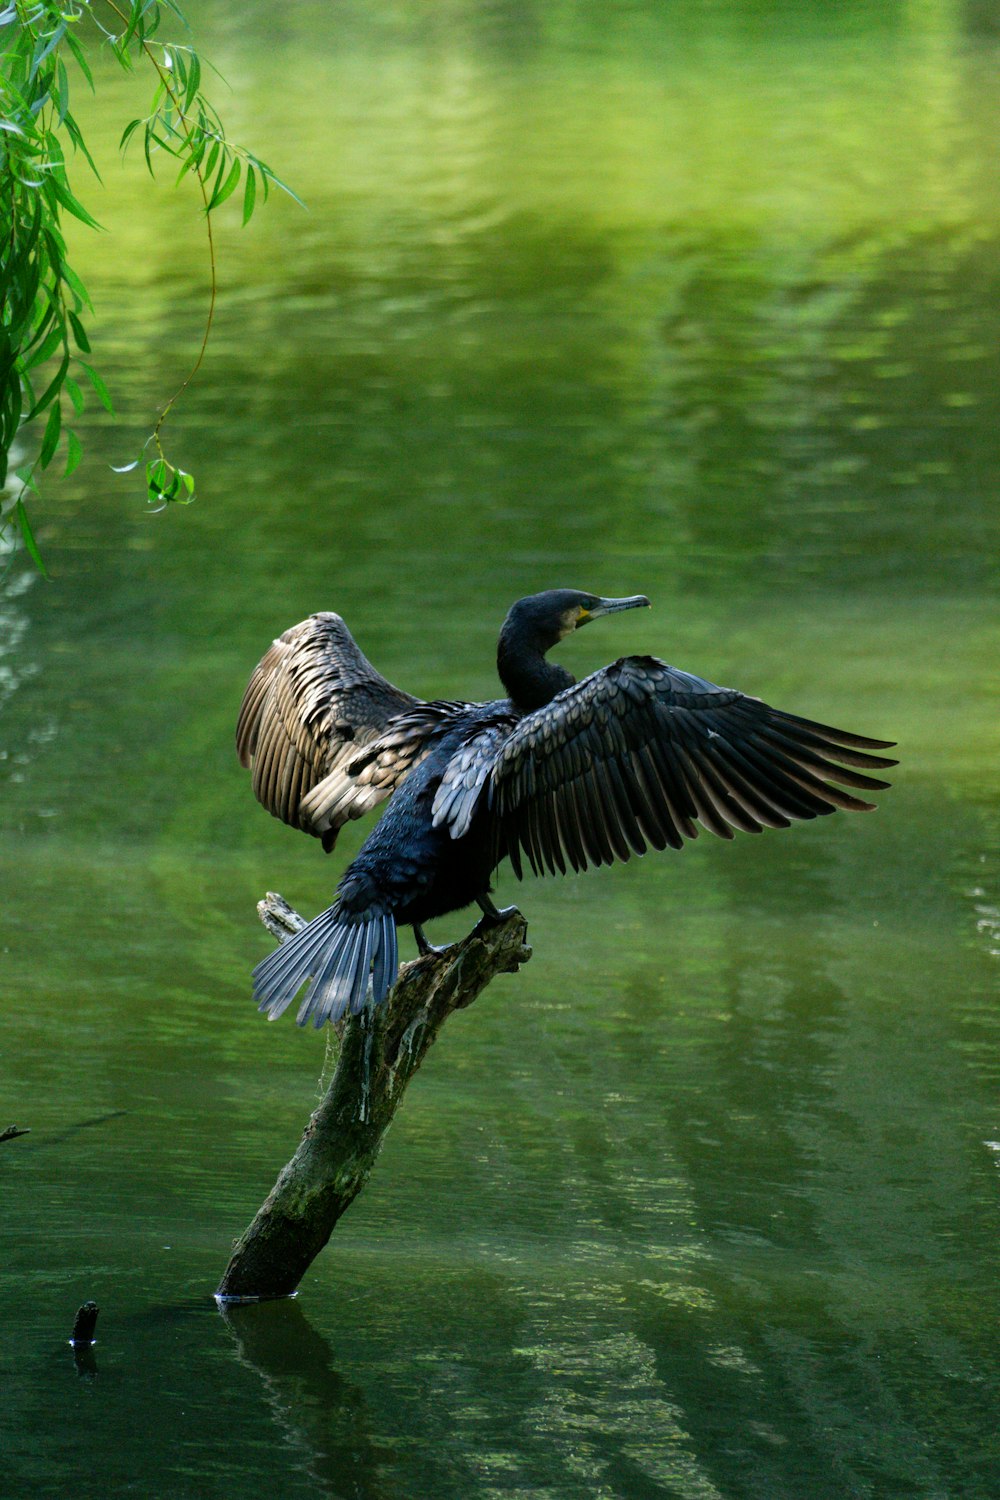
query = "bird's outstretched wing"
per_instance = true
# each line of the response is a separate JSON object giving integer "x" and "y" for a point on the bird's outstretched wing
{"x": 640, "y": 753}
{"x": 312, "y": 704}
{"x": 460, "y": 791}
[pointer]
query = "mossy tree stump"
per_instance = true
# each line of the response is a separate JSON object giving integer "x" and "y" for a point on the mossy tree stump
{"x": 380, "y": 1050}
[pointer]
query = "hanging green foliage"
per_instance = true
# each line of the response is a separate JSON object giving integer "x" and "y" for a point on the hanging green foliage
{"x": 45, "y": 363}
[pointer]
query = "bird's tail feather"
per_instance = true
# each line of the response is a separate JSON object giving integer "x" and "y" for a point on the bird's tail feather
{"x": 337, "y": 955}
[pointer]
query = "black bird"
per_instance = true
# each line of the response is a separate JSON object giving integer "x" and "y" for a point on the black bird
{"x": 563, "y": 773}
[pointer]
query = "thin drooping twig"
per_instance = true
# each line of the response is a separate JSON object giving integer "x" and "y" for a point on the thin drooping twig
{"x": 380, "y": 1050}
{"x": 168, "y": 88}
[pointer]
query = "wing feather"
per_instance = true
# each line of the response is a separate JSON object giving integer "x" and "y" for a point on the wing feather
{"x": 642, "y": 753}
{"x": 465, "y": 776}
{"x": 313, "y": 701}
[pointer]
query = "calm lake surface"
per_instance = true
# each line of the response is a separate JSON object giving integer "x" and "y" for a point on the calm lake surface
{"x": 696, "y": 300}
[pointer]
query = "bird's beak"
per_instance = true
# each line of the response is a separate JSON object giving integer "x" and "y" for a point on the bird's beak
{"x": 611, "y": 606}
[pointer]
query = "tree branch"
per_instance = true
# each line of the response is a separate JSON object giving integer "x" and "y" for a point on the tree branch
{"x": 380, "y": 1050}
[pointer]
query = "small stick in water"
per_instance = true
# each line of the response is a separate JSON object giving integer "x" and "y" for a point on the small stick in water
{"x": 86, "y": 1323}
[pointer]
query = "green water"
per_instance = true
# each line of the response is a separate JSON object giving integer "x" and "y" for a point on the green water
{"x": 699, "y": 301}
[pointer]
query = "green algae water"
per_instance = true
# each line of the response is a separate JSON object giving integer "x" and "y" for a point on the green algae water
{"x": 696, "y": 301}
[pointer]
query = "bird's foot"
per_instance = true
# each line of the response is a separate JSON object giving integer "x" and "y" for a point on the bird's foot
{"x": 424, "y": 947}
{"x": 495, "y": 913}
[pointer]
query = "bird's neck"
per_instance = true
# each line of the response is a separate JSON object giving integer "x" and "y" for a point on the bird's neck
{"x": 530, "y": 680}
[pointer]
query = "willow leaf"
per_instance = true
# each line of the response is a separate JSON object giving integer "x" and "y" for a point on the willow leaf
{"x": 27, "y": 533}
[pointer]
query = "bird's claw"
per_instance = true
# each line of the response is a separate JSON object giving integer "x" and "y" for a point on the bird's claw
{"x": 424, "y": 947}
{"x": 494, "y": 915}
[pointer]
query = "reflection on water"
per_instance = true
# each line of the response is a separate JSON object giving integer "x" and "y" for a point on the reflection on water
{"x": 323, "y": 1418}
{"x": 14, "y": 669}
{"x": 701, "y": 304}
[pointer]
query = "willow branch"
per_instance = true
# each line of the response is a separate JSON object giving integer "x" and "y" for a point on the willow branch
{"x": 171, "y": 93}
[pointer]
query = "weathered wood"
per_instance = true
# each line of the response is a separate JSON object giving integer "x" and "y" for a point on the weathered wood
{"x": 380, "y": 1050}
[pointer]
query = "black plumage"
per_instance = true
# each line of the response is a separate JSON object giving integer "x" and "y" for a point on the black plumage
{"x": 560, "y": 774}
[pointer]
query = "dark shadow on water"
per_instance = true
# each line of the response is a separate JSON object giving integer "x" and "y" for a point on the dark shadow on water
{"x": 322, "y": 1416}
{"x": 72, "y": 1130}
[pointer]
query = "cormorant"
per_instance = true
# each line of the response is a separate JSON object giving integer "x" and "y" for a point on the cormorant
{"x": 565, "y": 773}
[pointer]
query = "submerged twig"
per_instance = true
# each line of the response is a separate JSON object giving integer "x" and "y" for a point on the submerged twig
{"x": 85, "y": 1325}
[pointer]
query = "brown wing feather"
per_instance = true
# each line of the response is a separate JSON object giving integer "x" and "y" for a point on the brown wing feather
{"x": 640, "y": 753}
{"x": 368, "y": 772}
{"x": 313, "y": 702}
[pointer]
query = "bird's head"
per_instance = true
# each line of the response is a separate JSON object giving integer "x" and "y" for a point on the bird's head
{"x": 546, "y": 618}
